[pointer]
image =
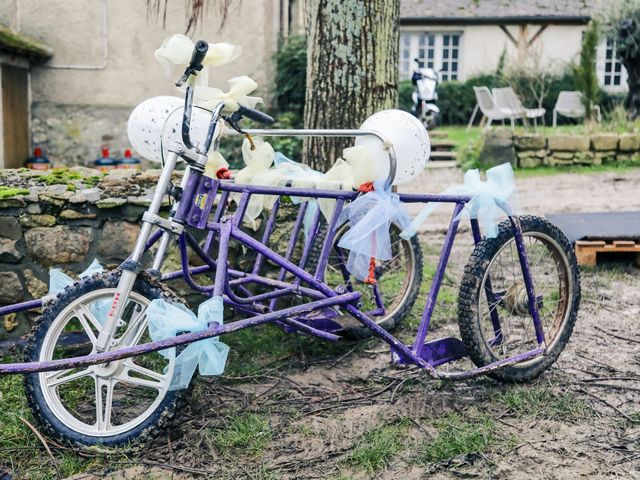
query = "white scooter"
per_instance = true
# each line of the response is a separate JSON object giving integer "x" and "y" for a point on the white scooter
{"x": 425, "y": 95}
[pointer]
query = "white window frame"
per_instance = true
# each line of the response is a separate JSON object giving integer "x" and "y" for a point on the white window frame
{"x": 417, "y": 45}
{"x": 601, "y": 64}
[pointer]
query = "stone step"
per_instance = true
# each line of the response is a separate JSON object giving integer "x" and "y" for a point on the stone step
{"x": 443, "y": 164}
{"x": 441, "y": 156}
{"x": 443, "y": 145}
{"x": 438, "y": 134}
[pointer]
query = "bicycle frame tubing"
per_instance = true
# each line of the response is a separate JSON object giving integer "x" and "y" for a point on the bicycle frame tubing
{"x": 194, "y": 209}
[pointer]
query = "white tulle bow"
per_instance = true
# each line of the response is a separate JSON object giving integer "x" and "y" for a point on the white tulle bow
{"x": 238, "y": 94}
{"x": 177, "y": 50}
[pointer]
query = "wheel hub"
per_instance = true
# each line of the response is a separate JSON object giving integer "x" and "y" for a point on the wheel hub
{"x": 107, "y": 370}
{"x": 516, "y": 299}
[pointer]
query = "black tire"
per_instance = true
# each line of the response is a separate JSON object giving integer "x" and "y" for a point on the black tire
{"x": 351, "y": 327}
{"x": 547, "y": 236}
{"x": 51, "y": 424}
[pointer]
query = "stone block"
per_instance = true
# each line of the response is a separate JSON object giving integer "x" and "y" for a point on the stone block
{"x": 529, "y": 142}
{"x": 8, "y": 251}
{"x": 70, "y": 214}
{"x": 59, "y": 244}
{"x": 118, "y": 239}
{"x": 586, "y": 158}
{"x": 530, "y": 162}
{"x": 11, "y": 288}
{"x": 604, "y": 141}
{"x": 570, "y": 143}
{"x": 498, "y": 148}
{"x": 629, "y": 142}
{"x": 526, "y": 154}
{"x": 37, "y": 220}
{"x": 112, "y": 202}
{"x": 36, "y": 287}
{"x": 10, "y": 228}
{"x": 564, "y": 155}
{"x": 13, "y": 202}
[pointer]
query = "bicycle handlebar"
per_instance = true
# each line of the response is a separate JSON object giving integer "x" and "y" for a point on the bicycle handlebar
{"x": 195, "y": 64}
{"x": 255, "y": 115}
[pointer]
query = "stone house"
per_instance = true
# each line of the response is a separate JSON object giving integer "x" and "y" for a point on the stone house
{"x": 461, "y": 38}
{"x": 101, "y": 65}
{"x": 89, "y": 62}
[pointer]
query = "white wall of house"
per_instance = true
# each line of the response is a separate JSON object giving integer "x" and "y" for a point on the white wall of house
{"x": 103, "y": 49}
{"x": 103, "y": 63}
{"x": 482, "y": 45}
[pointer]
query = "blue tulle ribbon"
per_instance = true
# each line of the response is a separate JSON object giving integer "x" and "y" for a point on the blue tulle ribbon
{"x": 58, "y": 281}
{"x": 209, "y": 356}
{"x": 486, "y": 199}
{"x": 370, "y": 217}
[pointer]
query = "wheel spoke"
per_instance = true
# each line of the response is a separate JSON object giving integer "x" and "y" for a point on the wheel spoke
{"x": 104, "y": 402}
{"x": 87, "y": 320}
{"x": 135, "y": 330}
{"x": 152, "y": 379}
{"x": 54, "y": 379}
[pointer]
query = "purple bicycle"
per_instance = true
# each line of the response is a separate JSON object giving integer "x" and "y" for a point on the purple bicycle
{"x": 106, "y": 380}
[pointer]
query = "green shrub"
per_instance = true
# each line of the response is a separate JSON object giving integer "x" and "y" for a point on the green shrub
{"x": 585, "y": 72}
{"x": 291, "y": 74}
{"x": 405, "y": 89}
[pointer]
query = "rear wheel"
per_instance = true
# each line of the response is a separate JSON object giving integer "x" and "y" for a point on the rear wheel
{"x": 108, "y": 404}
{"x": 397, "y": 284}
{"x": 493, "y": 311}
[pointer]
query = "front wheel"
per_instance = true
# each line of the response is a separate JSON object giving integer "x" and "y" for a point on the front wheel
{"x": 493, "y": 313}
{"x": 109, "y": 404}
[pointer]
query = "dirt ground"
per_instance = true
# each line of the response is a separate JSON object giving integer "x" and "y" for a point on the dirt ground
{"x": 342, "y": 411}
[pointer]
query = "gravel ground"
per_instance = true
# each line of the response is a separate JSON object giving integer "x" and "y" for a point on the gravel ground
{"x": 333, "y": 411}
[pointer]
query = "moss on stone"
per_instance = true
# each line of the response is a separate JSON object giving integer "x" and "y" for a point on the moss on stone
{"x": 60, "y": 176}
{"x": 8, "y": 192}
{"x": 21, "y": 44}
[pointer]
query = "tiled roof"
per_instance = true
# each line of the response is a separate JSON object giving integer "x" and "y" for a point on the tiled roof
{"x": 490, "y": 10}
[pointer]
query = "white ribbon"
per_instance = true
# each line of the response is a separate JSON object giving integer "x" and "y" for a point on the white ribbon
{"x": 485, "y": 199}
{"x": 355, "y": 169}
{"x": 215, "y": 162}
{"x": 238, "y": 94}
{"x": 177, "y": 50}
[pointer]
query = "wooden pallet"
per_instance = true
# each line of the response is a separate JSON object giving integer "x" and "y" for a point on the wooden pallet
{"x": 587, "y": 250}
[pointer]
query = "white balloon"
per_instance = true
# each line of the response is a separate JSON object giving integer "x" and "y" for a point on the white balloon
{"x": 409, "y": 138}
{"x": 157, "y": 123}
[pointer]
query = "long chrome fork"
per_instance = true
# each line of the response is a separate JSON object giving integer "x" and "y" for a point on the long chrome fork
{"x": 129, "y": 274}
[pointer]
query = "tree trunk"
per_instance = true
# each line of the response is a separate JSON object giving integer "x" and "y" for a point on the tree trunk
{"x": 352, "y": 69}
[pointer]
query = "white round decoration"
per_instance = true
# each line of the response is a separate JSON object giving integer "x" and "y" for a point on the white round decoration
{"x": 157, "y": 123}
{"x": 409, "y": 138}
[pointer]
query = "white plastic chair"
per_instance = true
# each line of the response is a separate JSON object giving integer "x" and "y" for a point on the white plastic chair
{"x": 569, "y": 104}
{"x": 507, "y": 100}
{"x": 486, "y": 104}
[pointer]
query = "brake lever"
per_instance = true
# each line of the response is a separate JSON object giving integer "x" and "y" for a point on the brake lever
{"x": 233, "y": 120}
{"x": 187, "y": 74}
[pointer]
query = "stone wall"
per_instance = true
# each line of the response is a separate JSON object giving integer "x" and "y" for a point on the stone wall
{"x": 64, "y": 219}
{"x": 534, "y": 150}
{"x": 74, "y": 134}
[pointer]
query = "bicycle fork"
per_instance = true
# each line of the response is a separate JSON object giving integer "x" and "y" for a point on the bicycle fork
{"x": 131, "y": 267}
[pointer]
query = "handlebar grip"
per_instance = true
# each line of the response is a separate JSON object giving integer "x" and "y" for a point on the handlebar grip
{"x": 255, "y": 115}
{"x": 199, "y": 52}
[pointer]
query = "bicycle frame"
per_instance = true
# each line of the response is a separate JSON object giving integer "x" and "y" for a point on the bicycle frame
{"x": 194, "y": 209}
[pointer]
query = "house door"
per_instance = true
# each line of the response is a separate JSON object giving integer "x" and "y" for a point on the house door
{"x": 15, "y": 115}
